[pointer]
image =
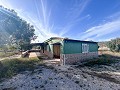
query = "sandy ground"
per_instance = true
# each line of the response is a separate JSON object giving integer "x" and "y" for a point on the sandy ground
{"x": 55, "y": 77}
{"x": 41, "y": 79}
{"x": 66, "y": 78}
{"x": 88, "y": 79}
{"x": 33, "y": 54}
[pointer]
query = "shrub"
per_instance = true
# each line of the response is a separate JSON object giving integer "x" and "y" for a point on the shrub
{"x": 114, "y": 44}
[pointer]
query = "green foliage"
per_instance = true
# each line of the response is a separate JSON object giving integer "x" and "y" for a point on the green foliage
{"x": 14, "y": 30}
{"x": 6, "y": 54}
{"x": 6, "y": 51}
{"x": 114, "y": 44}
{"x": 117, "y": 48}
{"x": 12, "y": 48}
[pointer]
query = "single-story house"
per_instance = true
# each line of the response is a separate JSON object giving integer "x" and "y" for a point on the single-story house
{"x": 70, "y": 51}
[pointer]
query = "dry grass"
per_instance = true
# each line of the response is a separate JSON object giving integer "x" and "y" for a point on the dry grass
{"x": 103, "y": 60}
{"x": 7, "y": 54}
{"x": 11, "y": 67}
{"x": 117, "y": 54}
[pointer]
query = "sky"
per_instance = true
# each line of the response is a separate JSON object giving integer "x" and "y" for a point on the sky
{"x": 97, "y": 20}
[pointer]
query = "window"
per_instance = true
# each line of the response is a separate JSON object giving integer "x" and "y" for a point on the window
{"x": 85, "y": 48}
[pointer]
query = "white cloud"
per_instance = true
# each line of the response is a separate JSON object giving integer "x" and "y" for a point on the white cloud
{"x": 43, "y": 30}
{"x": 77, "y": 8}
{"x": 102, "y": 30}
{"x": 5, "y": 4}
{"x": 70, "y": 25}
{"x": 73, "y": 15}
{"x": 114, "y": 16}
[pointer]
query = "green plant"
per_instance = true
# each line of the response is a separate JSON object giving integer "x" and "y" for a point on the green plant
{"x": 7, "y": 54}
{"x": 114, "y": 44}
{"x": 10, "y": 67}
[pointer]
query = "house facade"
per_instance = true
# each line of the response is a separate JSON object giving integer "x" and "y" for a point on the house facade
{"x": 70, "y": 51}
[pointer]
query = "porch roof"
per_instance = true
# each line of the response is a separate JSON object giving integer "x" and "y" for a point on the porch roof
{"x": 37, "y": 44}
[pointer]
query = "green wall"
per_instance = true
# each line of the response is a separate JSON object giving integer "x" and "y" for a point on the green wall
{"x": 71, "y": 47}
{"x": 93, "y": 47}
{"x": 51, "y": 42}
{"x": 76, "y": 47}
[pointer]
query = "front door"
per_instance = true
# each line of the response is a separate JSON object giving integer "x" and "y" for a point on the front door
{"x": 56, "y": 51}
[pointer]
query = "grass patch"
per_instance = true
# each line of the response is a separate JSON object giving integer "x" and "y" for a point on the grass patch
{"x": 102, "y": 60}
{"x": 10, "y": 67}
{"x": 7, "y": 54}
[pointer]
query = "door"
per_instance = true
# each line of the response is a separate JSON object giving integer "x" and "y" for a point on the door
{"x": 56, "y": 51}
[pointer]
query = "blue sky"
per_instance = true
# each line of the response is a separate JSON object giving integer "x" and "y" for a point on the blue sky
{"x": 97, "y": 20}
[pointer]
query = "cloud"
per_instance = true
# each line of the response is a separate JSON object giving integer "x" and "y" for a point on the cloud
{"x": 74, "y": 15}
{"x": 40, "y": 21}
{"x": 111, "y": 25}
{"x": 43, "y": 28}
{"x": 77, "y": 8}
{"x": 42, "y": 32}
{"x": 114, "y": 16}
{"x": 70, "y": 25}
{"x": 5, "y": 4}
{"x": 101, "y": 30}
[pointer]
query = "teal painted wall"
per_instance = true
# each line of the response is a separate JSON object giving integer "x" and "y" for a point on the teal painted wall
{"x": 93, "y": 47}
{"x": 76, "y": 47}
{"x": 50, "y": 45}
{"x": 72, "y": 47}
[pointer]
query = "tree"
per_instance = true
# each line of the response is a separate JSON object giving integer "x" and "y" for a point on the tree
{"x": 15, "y": 31}
{"x": 24, "y": 35}
{"x": 114, "y": 44}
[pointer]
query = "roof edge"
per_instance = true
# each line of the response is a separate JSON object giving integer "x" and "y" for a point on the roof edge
{"x": 79, "y": 41}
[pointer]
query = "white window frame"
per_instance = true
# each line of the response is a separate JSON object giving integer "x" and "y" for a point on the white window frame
{"x": 85, "y": 48}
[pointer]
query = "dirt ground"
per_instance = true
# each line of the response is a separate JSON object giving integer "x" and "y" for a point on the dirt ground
{"x": 52, "y": 76}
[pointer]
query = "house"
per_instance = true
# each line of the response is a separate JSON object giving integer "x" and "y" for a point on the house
{"x": 70, "y": 51}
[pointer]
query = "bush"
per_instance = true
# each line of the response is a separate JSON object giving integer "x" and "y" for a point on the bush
{"x": 114, "y": 44}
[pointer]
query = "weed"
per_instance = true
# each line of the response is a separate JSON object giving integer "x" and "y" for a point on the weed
{"x": 2, "y": 54}
{"x": 10, "y": 67}
{"x": 102, "y": 60}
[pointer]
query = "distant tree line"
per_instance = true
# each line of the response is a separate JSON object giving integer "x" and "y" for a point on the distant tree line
{"x": 15, "y": 31}
{"x": 114, "y": 44}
